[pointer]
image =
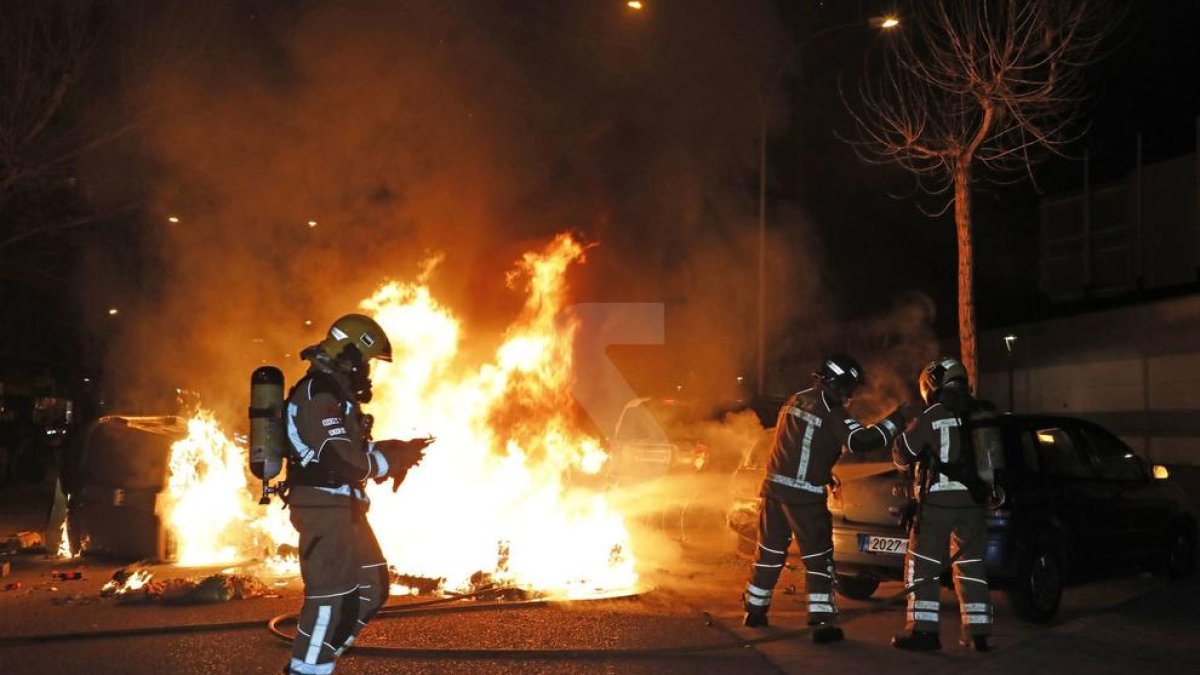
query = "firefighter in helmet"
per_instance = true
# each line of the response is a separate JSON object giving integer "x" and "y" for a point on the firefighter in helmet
{"x": 812, "y": 428}
{"x": 950, "y": 497}
{"x": 344, "y": 572}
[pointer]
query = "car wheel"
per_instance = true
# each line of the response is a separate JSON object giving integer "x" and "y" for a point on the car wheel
{"x": 1037, "y": 589}
{"x": 856, "y": 587}
{"x": 1180, "y": 559}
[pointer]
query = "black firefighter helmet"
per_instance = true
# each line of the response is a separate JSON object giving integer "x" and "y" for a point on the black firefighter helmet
{"x": 840, "y": 375}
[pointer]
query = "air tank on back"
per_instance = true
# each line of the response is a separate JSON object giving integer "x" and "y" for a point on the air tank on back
{"x": 267, "y": 443}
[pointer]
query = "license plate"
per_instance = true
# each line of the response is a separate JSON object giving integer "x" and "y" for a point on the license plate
{"x": 869, "y": 543}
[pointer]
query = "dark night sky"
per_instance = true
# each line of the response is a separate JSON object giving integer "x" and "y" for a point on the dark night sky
{"x": 1147, "y": 83}
{"x": 478, "y": 128}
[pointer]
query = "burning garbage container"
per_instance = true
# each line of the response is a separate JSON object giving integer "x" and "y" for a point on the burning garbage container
{"x": 122, "y": 467}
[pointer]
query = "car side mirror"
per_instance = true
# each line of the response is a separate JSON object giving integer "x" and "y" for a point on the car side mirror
{"x": 1160, "y": 472}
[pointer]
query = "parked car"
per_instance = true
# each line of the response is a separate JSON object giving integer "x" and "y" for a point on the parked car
{"x": 656, "y": 437}
{"x": 1078, "y": 502}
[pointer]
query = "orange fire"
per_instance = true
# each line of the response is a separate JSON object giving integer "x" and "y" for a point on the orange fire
{"x": 206, "y": 491}
{"x": 492, "y": 494}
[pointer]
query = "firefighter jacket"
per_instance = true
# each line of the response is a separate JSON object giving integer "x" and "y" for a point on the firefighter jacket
{"x": 809, "y": 435}
{"x": 329, "y": 437}
{"x": 936, "y": 437}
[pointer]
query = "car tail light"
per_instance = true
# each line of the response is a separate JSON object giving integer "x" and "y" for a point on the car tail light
{"x": 834, "y": 500}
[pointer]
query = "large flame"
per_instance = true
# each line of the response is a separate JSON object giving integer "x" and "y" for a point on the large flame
{"x": 492, "y": 495}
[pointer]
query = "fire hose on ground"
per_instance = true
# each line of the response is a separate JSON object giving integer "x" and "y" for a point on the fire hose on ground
{"x": 453, "y": 604}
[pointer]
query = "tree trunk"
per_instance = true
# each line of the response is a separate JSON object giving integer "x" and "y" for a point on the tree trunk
{"x": 966, "y": 271}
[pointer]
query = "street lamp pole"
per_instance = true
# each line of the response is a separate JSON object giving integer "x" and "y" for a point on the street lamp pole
{"x": 1008, "y": 346}
{"x": 768, "y": 92}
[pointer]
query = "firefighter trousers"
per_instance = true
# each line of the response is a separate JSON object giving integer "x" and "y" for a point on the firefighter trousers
{"x": 812, "y": 526}
{"x": 950, "y": 521}
{"x": 345, "y": 582}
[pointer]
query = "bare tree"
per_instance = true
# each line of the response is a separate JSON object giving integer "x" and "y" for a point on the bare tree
{"x": 69, "y": 72}
{"x": 977, "y": 87}
{"x": 44, "y": 49}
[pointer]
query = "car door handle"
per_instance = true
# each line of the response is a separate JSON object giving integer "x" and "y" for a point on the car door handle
{"x": 895, "y": 510}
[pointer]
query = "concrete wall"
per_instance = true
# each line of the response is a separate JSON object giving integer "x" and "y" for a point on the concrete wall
{"x": 1112, "y": 240}
{"x": 1136, "y": 370}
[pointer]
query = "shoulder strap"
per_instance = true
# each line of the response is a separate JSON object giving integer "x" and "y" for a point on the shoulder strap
{"x": 322, "y": 382}
{"x": 964, "y": 470}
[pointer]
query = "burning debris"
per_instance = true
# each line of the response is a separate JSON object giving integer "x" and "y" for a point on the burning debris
{"x": 125, "y": 581}
{"x": 408, "y": 584}
{"x": 64, "y": 543}
{"x": 136, "y": 587}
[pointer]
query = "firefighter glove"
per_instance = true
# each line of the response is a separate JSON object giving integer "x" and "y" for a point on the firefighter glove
{"x": 401, "y": 456}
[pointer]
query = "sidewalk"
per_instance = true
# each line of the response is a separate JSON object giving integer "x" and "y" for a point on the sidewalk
{"x": 1158, "y": 632}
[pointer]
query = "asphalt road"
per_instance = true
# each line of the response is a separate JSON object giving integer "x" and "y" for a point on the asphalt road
{"x": 691, "y": 599}
{"x": 1128, "y": 624}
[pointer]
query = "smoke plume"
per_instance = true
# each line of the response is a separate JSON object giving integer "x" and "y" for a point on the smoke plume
{"x": 296, "y": 155}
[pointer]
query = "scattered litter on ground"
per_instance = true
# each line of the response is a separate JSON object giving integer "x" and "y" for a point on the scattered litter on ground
{"x": 415, "y": 585}
{"x": 135, "y": 587}
{"x": 20, "y": 542}
{"x": 75, "y": 599}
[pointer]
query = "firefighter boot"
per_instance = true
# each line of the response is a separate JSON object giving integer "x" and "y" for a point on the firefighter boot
{"x": 978, "y": 643}
{"x": 917, "y": 641}
{"x": 756, "y": 617}
{"x": 825, "y": 632}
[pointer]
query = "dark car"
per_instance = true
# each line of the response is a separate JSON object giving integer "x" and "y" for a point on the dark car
{"x": 1078, "y": 502}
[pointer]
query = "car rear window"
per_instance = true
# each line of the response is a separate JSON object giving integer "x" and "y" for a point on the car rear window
{"x": 1057, "y": 454}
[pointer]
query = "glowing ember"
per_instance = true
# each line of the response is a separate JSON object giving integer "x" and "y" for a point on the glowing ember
{"x": 492, "y": 497}
{"x": 64, "y": 543}
{"x": 122, "y": 584}
{"x": 400, "y": 589}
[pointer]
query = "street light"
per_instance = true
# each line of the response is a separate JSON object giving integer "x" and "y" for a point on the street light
{"x": 1008, "y": 346}
{"x": 634, "y": 4}
{"x": 768, "y": 92}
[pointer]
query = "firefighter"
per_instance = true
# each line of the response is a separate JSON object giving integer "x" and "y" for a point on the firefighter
{"x": 331, "y": 456}
{"x": 950, "y": 496}
{"x": 812, "y": 428}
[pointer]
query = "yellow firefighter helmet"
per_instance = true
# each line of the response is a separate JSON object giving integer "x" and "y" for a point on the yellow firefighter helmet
{"x": 361, "y": 332}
